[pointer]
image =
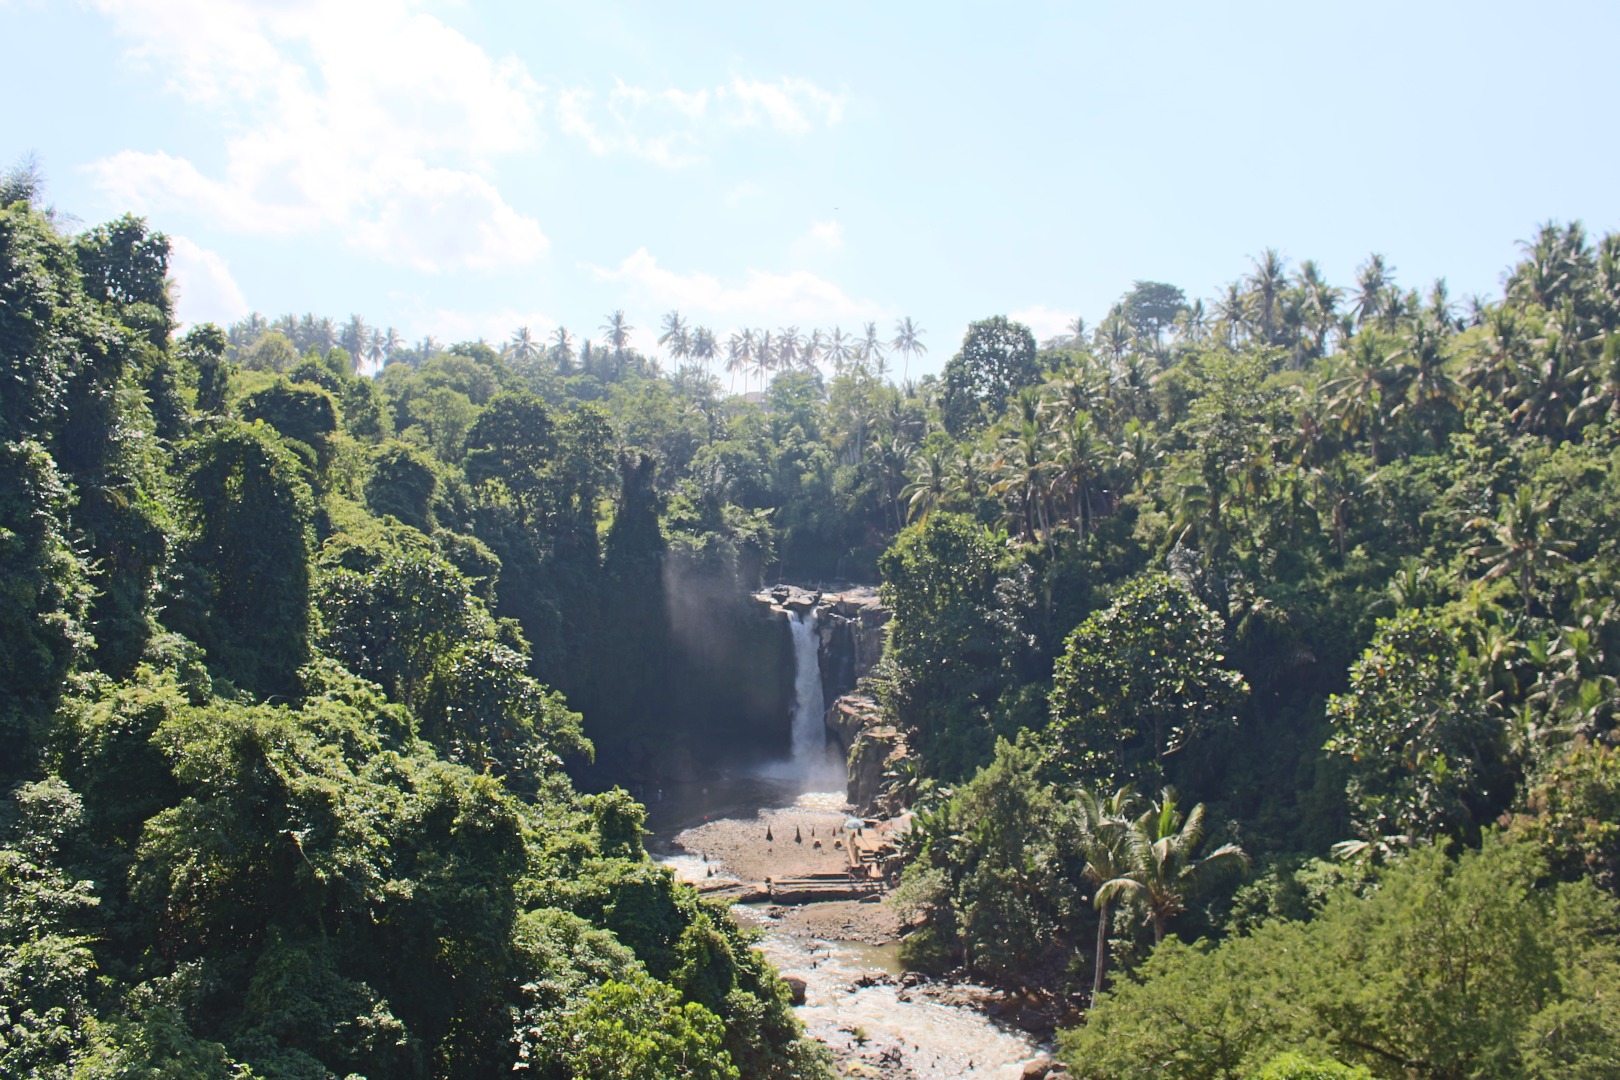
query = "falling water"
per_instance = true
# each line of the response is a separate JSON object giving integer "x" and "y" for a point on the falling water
{"x": 809, "y": 707}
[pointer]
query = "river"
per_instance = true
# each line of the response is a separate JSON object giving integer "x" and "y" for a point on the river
{"x": 883, "y": 1029}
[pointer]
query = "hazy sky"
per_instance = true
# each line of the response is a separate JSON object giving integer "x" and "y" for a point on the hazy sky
{"x": 464, "y": 168}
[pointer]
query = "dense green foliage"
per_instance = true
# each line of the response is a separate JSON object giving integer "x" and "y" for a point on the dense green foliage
{"x": 284, "y": 789}
{"x": 1336, "y": 565}
{"x": 304, "y": 630}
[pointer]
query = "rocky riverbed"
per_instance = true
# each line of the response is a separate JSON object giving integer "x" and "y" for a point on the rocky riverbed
{"x": 878, "y": 1020}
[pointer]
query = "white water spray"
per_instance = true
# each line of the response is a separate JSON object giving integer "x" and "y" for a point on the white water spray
{"x": 809, "y": 706}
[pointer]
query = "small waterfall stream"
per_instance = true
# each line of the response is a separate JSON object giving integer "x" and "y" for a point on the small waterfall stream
{"x": 809, "y": 706}
{"x": 816, "y": 762}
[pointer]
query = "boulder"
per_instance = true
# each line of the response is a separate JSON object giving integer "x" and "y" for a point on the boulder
{"x": 796, "y": 987}
{"x": 1039, "y": 1069}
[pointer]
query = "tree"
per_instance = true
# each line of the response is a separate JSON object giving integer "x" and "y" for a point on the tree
{"x": 126, "y": 265}
{"x": 944, "y": 642}
{"x": 997, "y": 360}
{"x": 1523, "y": 543}
{"x": 1447, "y": 968}
{"x": 514, "y": 441}
{"x": 1423, "y": 749}
{"x": 676, "y": 336}
{"x": 1105, "y": 839}
{"x": 44, "y": 596}
{"x": 1165, "y": 869}
{"x": 252, "y": 515}
{"x": 1151, "y": 306}
{"x": 1140, "y": 681}
{"x": 617, "y": 331}
{"x": 906, "y": 342}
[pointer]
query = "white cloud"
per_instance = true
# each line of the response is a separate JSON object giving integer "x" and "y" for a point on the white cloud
{"x": 204, "y": 289}
{"x": 670, "y": 127}
{"x": 1044, "y": 321}
{"x": 363, "y": 117}
{"x": 789, "y": 105}
{"x": 823, "y": 236}
{"x": 761, "y": 295}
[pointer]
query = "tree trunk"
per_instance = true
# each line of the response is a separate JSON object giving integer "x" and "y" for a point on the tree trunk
{"x": 1102, "y": 953}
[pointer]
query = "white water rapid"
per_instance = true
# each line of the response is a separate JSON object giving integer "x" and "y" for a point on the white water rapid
{"x": 809, "y": 705}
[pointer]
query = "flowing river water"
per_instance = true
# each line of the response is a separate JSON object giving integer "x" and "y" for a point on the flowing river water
{"x": 880, "y": 1029}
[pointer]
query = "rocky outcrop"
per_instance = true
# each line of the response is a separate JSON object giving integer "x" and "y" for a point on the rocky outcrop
{"x": 874, "y": 749}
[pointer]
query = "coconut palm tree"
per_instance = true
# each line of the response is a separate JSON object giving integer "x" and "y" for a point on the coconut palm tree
{"x": 839, "y": 350}
{"x": 1321, "y": 301}
{"x": 871, "y": 350}
{"x": 906, "y": 342}
{"x": 1372, "y": 277}
{"x": 815, "y": 347}
{"x": 376, "y": 351}
{"x": 1164, "y": 870}
{"x": 930, "y": 480}
{"x": 1077, "y": 461}
{"x": 617, "y": 331}
{"x": 1523, "y": 542}
{"x": 765, "y": 349}
{"x": 675, "y": 336}
{"x": 356, "y": 334}
{"x": 1105, "y": 827}
{"x": 789, "y": 347}
{"x": 562, "y": 350}
{"x": 1266, "y": 285}
{"x": 522, "y": 347}
{"x": 739, "y": 351}
{"x": 704, "y": 347}
{"x": 1232, "y": 314}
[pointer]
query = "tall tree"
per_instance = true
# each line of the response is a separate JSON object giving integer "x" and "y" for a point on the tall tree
{"x": 907, "y": 342}
{"x": 1165, "y": 867}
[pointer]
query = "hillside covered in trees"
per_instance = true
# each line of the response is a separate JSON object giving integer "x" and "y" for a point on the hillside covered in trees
{"x": 1257, "y": 658}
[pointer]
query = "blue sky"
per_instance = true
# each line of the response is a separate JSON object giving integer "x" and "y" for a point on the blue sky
{"x": 463, "y": 168}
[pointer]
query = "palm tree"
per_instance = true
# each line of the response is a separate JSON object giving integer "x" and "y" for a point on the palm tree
{"x": 356, "y": 335}
{"x": 704, "y": 346}
{"x": 838, "y": 350}
{"x": 376, "y": 351}
{"x": 393, "y": 342}
{"x": 765, "y": 349}
{"x": 1193, "y": 322}
{"x": 562, "y": 350}
{"x": 1321, "y": 302}
{"x": 815, "y": 347}
{"x": 1077, "y": 461}
{"x": 1429, "y": 385}
{"x": 1164, "y": 869}
{"x": 1372, "y": 277}
{"x": 1266, "y": 286}
{"x": 930, "y": 480}
{"x": 522, "y": 347}
{"x": 872, "y": 350}
{"x": 1021, "y": 468}
{"x": 1105, "y": 842}
{"x": 789, "y": 348}
{"x": 1359, "y": 399}
{"x": 1232, "y": 313}
{"x": 738, "y": 352}
{"x": 906, "y": 343}
{"x": 1523, "y": 541}
{"x": 618, "y": 332}
{"x": 675, "y": 336}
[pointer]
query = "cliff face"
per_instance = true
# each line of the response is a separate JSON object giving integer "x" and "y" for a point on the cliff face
{"x": 849, "y": 624}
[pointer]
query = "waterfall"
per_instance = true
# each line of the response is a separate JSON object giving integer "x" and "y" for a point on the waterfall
{"x": 809, "y": 707}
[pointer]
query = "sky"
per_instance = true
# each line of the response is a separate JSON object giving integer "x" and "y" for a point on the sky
{"x": 462, "y": 169}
